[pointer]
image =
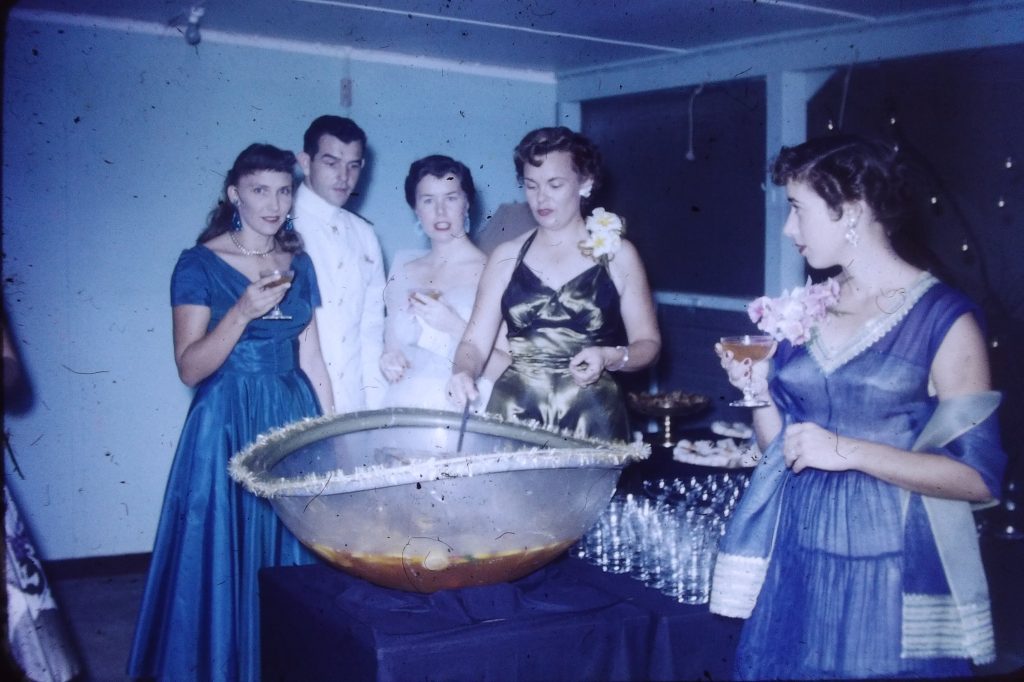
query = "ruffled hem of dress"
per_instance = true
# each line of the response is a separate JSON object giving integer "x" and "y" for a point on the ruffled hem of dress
{"x": 934, "y": 626}
{"x": 736, "y": 583}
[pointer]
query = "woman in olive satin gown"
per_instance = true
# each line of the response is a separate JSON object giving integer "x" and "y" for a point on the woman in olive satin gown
{"x": 572, "y": 316}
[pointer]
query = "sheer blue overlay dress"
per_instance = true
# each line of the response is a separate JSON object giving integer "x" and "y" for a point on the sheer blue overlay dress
{"x": 844, "y": 554}
{"x": 199, "y": 618}
{"x": 546, "y": 328}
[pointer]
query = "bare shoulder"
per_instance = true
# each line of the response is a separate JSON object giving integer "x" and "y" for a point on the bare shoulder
{"x": 404, "y": 259}
{"x": 961, "y": 364}
{"x": 476, "y": 255}
{"x": 475, "y": 264}
{"x": 506, "y": 253}
{"x": 516, "y": 242}
{"x": 221, "y": 244}
{"x": 626, "y": 258}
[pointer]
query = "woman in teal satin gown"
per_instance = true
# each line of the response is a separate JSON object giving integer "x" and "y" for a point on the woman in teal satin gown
{"x": 199, "y": 618}
{"x": 574, "y": 310}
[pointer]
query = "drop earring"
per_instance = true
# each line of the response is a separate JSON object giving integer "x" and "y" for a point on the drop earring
{"x": 236, "y": 221}
{"x": 852, "y": 236}
{"x": 466, "y": 224}
{"x": 289, "y": 224}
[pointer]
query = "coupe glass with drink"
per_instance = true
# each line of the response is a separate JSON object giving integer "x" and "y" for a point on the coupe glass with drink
{"x": 280, "y": 277}
{"x": 753, "y": 347}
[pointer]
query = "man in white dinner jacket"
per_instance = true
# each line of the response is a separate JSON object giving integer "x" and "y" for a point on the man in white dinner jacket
{"x": 347, "y": 258}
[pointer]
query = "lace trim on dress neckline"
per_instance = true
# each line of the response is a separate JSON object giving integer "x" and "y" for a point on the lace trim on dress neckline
{"x": 872, "y": 332}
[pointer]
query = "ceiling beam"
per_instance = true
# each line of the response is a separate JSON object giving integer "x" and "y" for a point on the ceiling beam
{"x": 988, "y": 25}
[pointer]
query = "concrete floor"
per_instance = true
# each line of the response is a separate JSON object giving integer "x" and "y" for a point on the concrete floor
{"x": 100, "y": 600}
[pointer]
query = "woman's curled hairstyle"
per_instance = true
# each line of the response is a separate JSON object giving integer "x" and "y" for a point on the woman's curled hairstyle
{"x": 586, "y": 159}
{"x": 846, "y": 168}
{"x": 438, "y": 166}
{"x": 253, "y": 159}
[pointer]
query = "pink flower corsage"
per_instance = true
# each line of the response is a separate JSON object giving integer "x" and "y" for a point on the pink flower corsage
{"x": 794, "y": 315}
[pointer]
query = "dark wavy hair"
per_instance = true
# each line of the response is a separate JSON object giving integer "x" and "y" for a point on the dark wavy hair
{"x": 586, "y": 159}
{"x": 253, "y": 159}
{"x": 345, "y": 129}
{"x": 438, "y": 166}
{"x": 846, "y": 168}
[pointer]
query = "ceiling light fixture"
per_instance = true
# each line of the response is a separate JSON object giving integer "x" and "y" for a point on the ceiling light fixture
{"x": 192, "y": 36}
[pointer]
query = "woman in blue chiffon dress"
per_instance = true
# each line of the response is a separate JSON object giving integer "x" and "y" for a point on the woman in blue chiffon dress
{"x": 853, "y": 553}
{"x": 199, "y": 618}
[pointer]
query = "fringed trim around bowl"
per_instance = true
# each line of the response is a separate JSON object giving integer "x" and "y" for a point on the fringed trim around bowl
{"x": 589, "y": 453}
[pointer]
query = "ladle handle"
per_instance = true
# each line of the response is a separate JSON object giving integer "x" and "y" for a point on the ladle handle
{"x": 462, "y": 427}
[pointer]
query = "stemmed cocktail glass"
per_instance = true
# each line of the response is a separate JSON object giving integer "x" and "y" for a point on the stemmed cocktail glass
{"x": 282, "y": 277}
{"x": 753, "y": 347}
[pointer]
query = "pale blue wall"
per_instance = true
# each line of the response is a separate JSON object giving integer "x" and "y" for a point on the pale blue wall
{"x": 95, "y": 211}
{"x": 115, "y": 145}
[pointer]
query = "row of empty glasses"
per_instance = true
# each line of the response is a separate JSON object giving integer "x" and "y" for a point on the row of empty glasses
{"x": 666, "y": 537}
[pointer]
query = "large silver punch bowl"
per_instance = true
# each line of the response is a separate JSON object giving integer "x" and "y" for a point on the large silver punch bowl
{"x": 385, "y": 495}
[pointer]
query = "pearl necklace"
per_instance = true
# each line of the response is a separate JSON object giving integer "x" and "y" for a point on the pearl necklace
{"x": 251, "y": 252}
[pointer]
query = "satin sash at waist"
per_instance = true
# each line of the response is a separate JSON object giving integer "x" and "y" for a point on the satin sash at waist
{"x": 261, "y": 358}
{"x": 541, "y": 362}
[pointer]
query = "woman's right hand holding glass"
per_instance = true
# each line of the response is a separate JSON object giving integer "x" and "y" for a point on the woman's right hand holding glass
{"x": 430, "y": 307}
{"x": 745, "y": 374}
{"x": 259, "y": 297}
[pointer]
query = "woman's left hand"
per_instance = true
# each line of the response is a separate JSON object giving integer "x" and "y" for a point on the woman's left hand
{"x": 808, "y": 445}
{"x": 587, "y": 365}
{"x": 435, "y": 313}
{"x": 393, "y": 364}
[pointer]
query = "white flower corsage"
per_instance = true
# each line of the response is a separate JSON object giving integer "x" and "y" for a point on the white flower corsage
{"x": 794, "y": 315}
{"x": 606, "y": 230}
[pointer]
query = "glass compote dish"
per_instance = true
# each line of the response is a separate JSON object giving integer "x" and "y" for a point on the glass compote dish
{"x": 753, "y": 347}
{"x": 283, "y": 276}
{"x": 665, "y": 406}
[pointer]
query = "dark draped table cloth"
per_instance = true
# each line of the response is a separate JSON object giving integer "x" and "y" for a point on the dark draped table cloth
{"x": 567, "y": 621}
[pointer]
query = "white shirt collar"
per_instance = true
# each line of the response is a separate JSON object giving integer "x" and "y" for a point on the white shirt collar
{"x": 316, "y": 204}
